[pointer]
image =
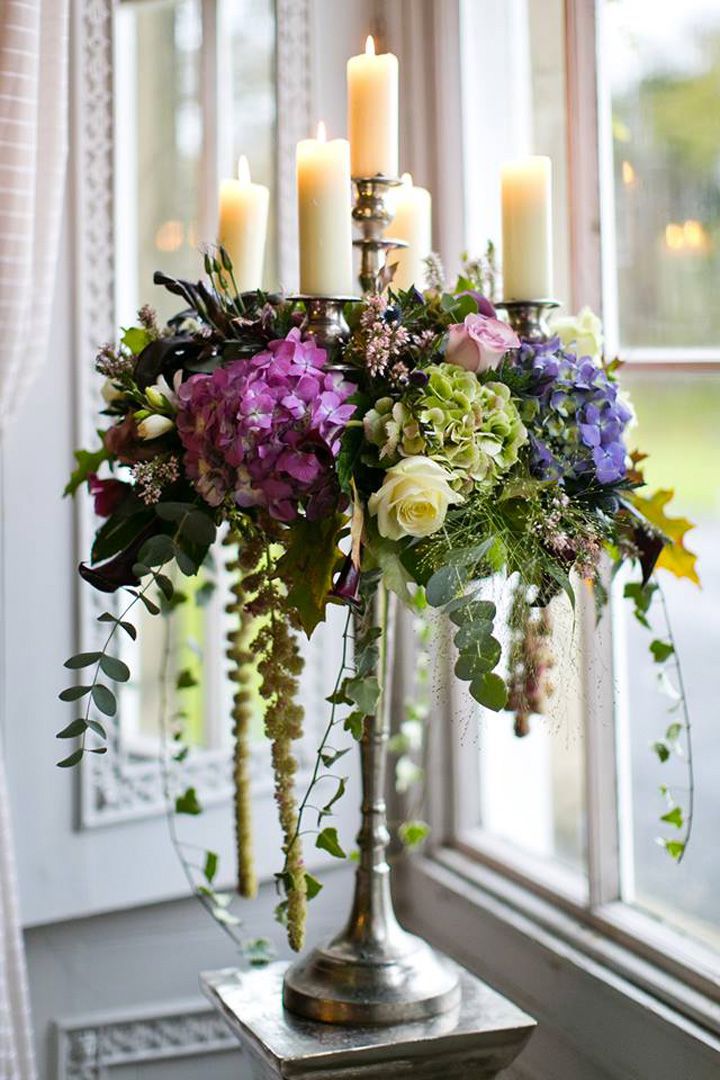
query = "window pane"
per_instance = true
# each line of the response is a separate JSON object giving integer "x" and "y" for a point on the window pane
{"x": 532, "y": 787}
{"x": 661, "y": 67}
{"x": 160, "y": 130}
{"x": 678, "y": 427}
{"x": 530, "y": 791}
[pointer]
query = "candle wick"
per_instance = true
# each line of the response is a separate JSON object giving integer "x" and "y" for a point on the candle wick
{"x": 370, "y": 45}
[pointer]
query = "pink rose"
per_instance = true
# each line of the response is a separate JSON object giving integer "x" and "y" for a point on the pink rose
{"x": 479, "y": 342}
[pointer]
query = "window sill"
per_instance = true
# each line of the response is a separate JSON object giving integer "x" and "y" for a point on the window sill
{"x": 623, "y": 1015}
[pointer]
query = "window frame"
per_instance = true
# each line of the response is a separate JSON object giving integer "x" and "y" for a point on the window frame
{"x": 675, "y": 969}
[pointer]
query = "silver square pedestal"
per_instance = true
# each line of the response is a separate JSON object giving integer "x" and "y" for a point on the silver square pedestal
{"x": 477, "y": 1039}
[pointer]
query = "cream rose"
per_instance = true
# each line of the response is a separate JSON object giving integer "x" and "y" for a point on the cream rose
{"x": 413, "y": 499}
{"x": 581, "y": 333}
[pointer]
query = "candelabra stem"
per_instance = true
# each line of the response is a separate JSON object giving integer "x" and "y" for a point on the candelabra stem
{"x": 372, "y": 215}
{"x": 528, "y": 318}
{"x": 373, "y": 972}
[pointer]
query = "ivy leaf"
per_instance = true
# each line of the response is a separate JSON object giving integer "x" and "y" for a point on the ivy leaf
{"x": 329, "y": 757}
{"x": 115, "y": 669}
{"x": 308, "y": 565}
{"x": 75, "y": 727}
{"x": 185, "y": 680}
{"x": 412, "y": 833}
{"x": 211, "y": 865}
{"x": 187, "y": 803}
{"x": 68, "y": 762}
{"x": 673, "y": 732}
{"x": 662, "y": 750}
{"x": 490, "y": 691}
{"x": 661, "y": 650}
{"x": 74, "y": 693}
{"x": 259, "y": 952}
{"x": 104, "y": 699}
{"x": 354, "y": 724}
{"x": 674, "y": 817}
{"x": 312, "y": 886}
{"x": 327, "y": 840}
{"x": 674, "y": 848}
{"x": 363, "y": 691}
{"x": 87, "y": 462}
{"x": 674, "y": 557}
{"x": 327, "y": 808}
{"x": 81, "y": 660}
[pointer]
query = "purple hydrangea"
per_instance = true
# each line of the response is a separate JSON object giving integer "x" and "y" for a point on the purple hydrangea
{"x": 578, "y": 430}
{"x": 266, "y": 431}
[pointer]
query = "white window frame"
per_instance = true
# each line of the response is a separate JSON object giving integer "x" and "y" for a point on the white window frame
{"x": 468, "y": 871}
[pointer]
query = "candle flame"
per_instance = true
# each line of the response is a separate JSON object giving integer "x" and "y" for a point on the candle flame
{"x": 407, "y": 180}
{"x": 370, "y": 45}
{"x": 628, "y": 174}
{"x": 322, "y": 132}
{"x": 243, "y": 170}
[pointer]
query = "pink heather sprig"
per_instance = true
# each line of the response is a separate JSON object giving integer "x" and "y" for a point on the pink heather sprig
{"x": 384, "y": 341}
{"x": 266, "y": 431}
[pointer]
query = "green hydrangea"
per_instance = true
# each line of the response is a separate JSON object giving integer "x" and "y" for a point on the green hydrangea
{"x": 471, "y": 428}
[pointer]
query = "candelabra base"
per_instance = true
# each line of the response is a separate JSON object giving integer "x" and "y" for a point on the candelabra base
{"x": 346, "y": 983}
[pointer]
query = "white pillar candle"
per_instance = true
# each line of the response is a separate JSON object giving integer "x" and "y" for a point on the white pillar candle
{"x": 242, "y": 230}
{"x": 527, "y": 229}
{"x": 413, "y": 224}
{"x": 324, "y": 212}
{"x": 373, "y": 112}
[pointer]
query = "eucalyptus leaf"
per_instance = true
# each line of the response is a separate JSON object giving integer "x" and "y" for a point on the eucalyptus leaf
{"x": 115, "y": 669}
{"x": 490, "y": 691}
{"x": 73, "y": 759}
{"x": 74, "y": 728}
{"x": 74, "y": 693}
{"x": 82, "y": 660}
{"x": 104, "y": 699}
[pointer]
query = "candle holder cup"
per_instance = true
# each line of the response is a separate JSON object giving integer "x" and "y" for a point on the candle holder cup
{"x": 528, "y": 318}
{"x": 372, "y": 215}
{"x": 325, "y": 318}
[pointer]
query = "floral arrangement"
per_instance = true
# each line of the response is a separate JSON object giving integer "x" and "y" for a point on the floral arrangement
{"x": 428, "y": 451}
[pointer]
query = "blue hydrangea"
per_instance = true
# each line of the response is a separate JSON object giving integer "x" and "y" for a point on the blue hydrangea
{"x": 577, "y": 432}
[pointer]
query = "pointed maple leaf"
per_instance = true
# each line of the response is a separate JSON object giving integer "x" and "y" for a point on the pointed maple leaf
{"x": 674, "y": 557}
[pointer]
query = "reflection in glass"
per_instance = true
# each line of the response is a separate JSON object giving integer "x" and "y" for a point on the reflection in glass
{"x": 663, "y": 83}
{"x": 678, "y": 426}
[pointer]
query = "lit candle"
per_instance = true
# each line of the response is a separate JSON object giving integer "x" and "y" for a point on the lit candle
{"x": 527, "y": 229}
{"x": 243, "y": 226}
{"x": 413, "y": 224}
{"x": 373, "y": 112}
{"x": 324, "y": 212}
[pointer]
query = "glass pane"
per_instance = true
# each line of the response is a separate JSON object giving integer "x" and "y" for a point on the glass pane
{"x": 531, "y": 787}
{"x": 678, "y": 427}
{"x": 159, "y": 135}
{"x": 661, "y": 67}
{"x": 514, "y": 103}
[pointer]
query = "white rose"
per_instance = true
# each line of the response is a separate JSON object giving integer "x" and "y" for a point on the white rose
{"x": 153, "y": 426}
{"x": 581, "y": 334}
{"x": 413, "y": 499}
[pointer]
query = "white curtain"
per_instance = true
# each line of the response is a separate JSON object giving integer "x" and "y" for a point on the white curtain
{"x": 33, "y": 158}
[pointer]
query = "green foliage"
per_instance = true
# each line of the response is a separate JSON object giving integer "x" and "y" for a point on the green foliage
{"x": 312, "y": 886}
{"x": 661, "y": 651}
{"x": 87, "y": 463}
{"x": 308, "y": 565}
{"x": 135, "y": 338}
{"x": 211, "y": 866}
{"x": 188, "y": 803}
{"x": 413, "y": 833}
{"x": 327, "y": 840}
